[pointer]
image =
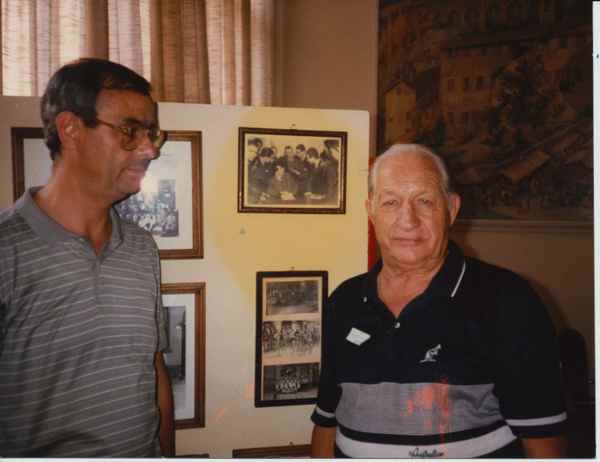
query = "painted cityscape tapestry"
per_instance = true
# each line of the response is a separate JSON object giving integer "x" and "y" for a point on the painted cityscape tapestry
{"x": 503, "y": 91}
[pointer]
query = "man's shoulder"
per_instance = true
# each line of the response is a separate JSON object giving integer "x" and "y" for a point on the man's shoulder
{"x": 14, "y": 230}
{"x": 136, "y": 235}
{"x": 494, "y": 286}
{"x": 7, "y": 213}
{"x": 10, "y": 221}
{"x": 350, "y": 287}
{"x": 131, "y": 229}
{"x": 489, "y": 274}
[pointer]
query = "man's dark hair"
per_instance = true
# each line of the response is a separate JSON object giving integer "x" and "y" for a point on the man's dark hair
{"x": 75, "y": 87}
{"x": 331, "y": 144}
{"x": 312, "y": 152}
{"x": 255, "y": 142}
{"x": 266, "y": 152}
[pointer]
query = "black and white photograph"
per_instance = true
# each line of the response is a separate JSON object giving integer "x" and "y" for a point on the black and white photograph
{"x": 291, "y": 382}
{"x": 291, "y": 171}
{"x": 292, "y": 297}
{"x": 291, "y": 338}
{"x": 155, "y": 210}
{"x": 289, "y": 315}
{"x": 169, "y": 203}
{"x": 184, "y": 356}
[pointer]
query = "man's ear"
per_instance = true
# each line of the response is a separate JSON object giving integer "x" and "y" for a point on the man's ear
{"x": 368, "y": 207}
{"x": 454, "y": 206}
{"x": 68, "y": 126}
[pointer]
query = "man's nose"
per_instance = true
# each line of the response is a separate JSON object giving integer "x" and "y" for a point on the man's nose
{"x": 147, "y": 148}
{"x": 407, "y": 216}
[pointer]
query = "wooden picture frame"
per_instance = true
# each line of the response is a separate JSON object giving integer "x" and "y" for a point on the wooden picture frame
{"x": 291, "y": 171}
{"x": 169, "y": 204}
{"x": 289, "y": 315}
{"x": 178, "y": 169}
{"x": 291, "y": 451}
{"x": 185, "y": 310}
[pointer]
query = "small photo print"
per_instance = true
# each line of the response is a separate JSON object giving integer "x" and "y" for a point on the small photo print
{"x": 291, "y": 381}
{"x": 295, "y": 339}
{"x": 292, "y": 297}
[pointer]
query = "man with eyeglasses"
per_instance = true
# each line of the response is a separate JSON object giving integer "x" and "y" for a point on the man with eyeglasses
{"x": 81, "y": 322}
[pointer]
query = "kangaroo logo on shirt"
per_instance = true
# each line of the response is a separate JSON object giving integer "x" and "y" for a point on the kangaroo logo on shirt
{"x": 431, "y": 355}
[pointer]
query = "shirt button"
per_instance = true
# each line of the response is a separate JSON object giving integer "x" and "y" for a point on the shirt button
{"x": 397, "y": 325}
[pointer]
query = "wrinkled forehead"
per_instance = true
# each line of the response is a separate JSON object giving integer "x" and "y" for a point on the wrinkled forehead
{"x": 409, "y": 168}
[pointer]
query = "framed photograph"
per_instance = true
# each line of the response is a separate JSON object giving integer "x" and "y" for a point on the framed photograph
{"x": 291, "y": 171}
{"x": 169, "y": 204}
{"x": 291, "y": 451}
{"x": 31, "y": 161}
{"x": 185, "y": 315}
{"x": 503, "y": 91}
{"x": 289, "y": 313}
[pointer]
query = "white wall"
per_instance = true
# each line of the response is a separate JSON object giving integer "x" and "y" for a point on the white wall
{"x": 236, "y": 246}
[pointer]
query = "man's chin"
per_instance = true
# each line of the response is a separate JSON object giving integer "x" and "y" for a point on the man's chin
{"x": 407, "y": 246}
{"x": 126, "y": 193}
{"x": 406, "y": 254}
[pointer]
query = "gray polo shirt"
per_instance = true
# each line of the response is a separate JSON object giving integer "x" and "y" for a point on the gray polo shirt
{"x": 78, "y": 333}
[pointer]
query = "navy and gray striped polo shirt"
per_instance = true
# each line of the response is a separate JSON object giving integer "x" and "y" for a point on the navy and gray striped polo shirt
{"x": 468, "y": 367}
{"x": 78, "y": 334}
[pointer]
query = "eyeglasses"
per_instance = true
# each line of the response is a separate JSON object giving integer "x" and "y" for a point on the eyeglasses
{"x": 133, "y": 134}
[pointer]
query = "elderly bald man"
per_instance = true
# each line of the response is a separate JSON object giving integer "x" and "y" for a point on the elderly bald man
{"x": 433, "y": 353}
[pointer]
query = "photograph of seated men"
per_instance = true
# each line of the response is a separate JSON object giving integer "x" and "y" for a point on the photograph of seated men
{"x": 433, "y": 353}
{"x": 279, "y": 174}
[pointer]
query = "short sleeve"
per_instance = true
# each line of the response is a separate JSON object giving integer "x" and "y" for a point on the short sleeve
{"x": 527, "y": 366}
{"x": 329, "y": 391}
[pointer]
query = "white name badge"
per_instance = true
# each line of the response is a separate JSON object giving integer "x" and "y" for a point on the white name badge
{"x": 358, "y": 337}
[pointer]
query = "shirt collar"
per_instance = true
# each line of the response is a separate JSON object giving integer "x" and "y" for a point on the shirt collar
{"x": 444, "y": 284}
{"x": 51, "y": 231}
{"x": 448, "y": 279}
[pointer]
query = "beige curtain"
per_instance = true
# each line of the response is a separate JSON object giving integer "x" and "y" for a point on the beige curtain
{"x": 37, "y": 37}
{"x": 217, "y": 51}
{"x": 205, "y": 51}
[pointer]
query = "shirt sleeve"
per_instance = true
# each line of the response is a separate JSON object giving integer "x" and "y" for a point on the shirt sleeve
{"x": 527, "y": 367}
{"x": 329, "y": 391}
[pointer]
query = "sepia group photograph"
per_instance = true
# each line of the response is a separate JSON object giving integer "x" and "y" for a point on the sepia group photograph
{"x": 292, "y": 171}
